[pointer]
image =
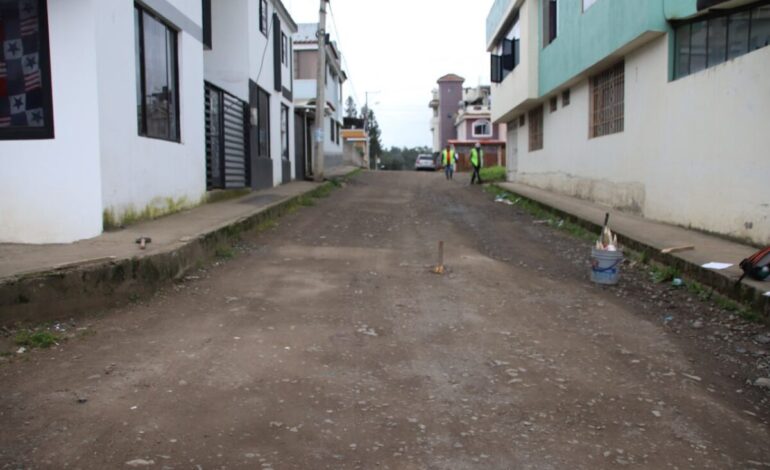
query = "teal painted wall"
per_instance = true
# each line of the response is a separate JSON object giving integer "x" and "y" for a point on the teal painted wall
{"x": 585, "y": 38}
{"x": 679, "y": 9}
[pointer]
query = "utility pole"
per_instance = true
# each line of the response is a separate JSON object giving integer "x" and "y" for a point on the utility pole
{"x": 320, "y": 100}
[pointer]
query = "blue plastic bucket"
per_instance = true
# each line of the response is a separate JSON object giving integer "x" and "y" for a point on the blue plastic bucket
{"x": 605, "y": 266}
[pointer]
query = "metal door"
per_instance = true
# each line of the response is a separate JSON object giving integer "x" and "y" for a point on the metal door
{"x": 226, "y": 146}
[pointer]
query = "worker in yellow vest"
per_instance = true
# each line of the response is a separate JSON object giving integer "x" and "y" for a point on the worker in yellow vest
{"x": 477, "y": 159}
{"x": 448, "y": 159}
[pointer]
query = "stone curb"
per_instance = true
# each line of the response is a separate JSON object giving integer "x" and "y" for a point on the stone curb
{"x": 78, "y": 290}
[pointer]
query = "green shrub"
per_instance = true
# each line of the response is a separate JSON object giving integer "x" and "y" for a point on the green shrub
{"x": 493, "y": 173}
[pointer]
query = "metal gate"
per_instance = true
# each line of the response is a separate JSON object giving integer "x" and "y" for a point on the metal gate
{"x": 226, "y": 145}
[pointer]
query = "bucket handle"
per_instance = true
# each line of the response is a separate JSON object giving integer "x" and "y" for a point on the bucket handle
{"x": 608, "y": 268}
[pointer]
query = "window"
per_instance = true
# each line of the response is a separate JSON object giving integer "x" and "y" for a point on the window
{"x": 587, "y": 4}
{"x": 263, "y": 16}
{"x": 522, "y": 120}
{"x": 284, "y": 49}
{"x": 554, "y": 104}
{"x": 550, "y": 23}
{"x": 607, "y": 105}
{"x": 206, "y": 9}
{"x": 565, "y": 98}
{"x": 496, "y": 65}
{"x": 724, "y": 35}
{"x": 284, "y": 132}
{"x": 536, "y": 129}
{"x": 263, "y": 123}
{"x": 26, "y": 110}
{"x": 332, "y": 128}
{"x": 482, "y": 128}
{"x": 156, "y": 77}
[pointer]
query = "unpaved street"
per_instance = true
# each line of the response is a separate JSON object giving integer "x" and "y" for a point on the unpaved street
{"x": 326, "y": 343}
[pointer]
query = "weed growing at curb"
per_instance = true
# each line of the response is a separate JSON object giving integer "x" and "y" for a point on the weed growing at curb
{"x": 493, "y": 174}
{"x": 658, "y": 273}
{"x": 36, "y": 339}
{"x": 539, "y": 212}
{"x": 224, "y": 252}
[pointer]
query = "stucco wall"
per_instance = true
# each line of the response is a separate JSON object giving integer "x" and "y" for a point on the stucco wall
{"x": 693, "y": 153}
{"x": 226, "y": 65}
{"x": 520, "y": 85}
{"x": 51, "y": 191}
{"x": 138, "y": 171}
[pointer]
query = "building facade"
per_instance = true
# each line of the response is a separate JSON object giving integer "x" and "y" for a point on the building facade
{"x": 249, "y": 94}
{"x": 306, "y": 66}
{"x": 92, "y": 125}
{"x": 650, "y": 107}
{"x": 112, "y": 112}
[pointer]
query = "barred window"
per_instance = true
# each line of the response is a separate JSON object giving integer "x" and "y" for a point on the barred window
{"x": 607, "y": 95}
{"x": 536, "y": 129}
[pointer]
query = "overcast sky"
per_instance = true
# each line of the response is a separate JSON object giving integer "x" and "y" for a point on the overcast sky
{"x": 400, "y": 48}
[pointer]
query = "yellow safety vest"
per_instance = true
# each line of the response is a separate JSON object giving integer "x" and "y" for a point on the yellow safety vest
{"x": 444, "y": 157}
{"x": 476, "y": 157}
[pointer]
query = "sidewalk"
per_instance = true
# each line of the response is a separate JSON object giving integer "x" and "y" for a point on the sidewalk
{"x": 41, "y": 282}
{"x": 650, "y": 236}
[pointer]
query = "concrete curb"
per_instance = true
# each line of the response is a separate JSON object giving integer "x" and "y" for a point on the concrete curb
{"x": 743, "y": 292}
{"x": 77, "y": 290}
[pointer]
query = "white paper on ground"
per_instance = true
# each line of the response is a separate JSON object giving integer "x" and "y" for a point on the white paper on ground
{"x": 767, "y": 294}
{"x": 715, "y": 265}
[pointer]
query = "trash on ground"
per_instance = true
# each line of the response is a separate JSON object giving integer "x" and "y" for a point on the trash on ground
{"x": 677, "y": 282}
{"x": 716, "y": 266}
{"x": 675, "y": 249}
{"x": 767, "y": 294}
{"x": 607, "y": 241}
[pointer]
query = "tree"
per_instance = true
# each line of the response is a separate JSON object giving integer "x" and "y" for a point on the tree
{"x": 375, "y": 145}
{"x": 350, "y": 108}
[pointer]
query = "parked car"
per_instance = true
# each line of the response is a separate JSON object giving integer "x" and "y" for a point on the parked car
{"x": 425, "y": 161}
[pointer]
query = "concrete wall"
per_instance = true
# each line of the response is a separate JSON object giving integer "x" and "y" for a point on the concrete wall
{"x": 51, "y": 190}
{"x": 226, "y": 65}
{"x": 693, "y": 153}
{"x": 137, "y": 171}
{"x": 586, "y": 38}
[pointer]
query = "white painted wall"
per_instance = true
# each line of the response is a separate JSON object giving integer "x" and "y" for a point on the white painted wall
{"x": 51, "y": 190}
{"x": 226, "y": 65}
{"x": 138, "y": 171}
{"x": 520, "y": 85}
{"x": 693, "y": 153}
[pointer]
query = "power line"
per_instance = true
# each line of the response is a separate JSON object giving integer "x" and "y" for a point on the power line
{"x": 344, "y": 57}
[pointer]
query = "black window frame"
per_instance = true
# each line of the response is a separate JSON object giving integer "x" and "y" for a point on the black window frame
{"x": 44, "y": 65}
{"x": 284, "y": 48}
{"x": 680, "y": 26}
{"x": 142, "y": 124}
{"x": 263, "y": 25}
{"x": 550, "y": 21}
{"x": 285, "y": 136}
{"x": 206, "y": 11}
{"x": 263, "y": 124}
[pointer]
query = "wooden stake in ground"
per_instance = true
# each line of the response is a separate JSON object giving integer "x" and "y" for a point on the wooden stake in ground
{"x": 439, "y": 269}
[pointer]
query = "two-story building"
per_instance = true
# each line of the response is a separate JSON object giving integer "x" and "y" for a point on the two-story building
{"x": 462, "y": 117}
{"x": 249, "y": 94}
{"x": 105, "y": 119}
{"x": 652, "y": 107}
{"x": 305, "y": 91}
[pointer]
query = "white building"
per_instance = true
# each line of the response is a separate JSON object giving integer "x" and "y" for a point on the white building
{"x": 249, "y": 93}
{"x": 90, "y": 121}
{"x": 306, "y": 70}
{"x": 660, "y": 107}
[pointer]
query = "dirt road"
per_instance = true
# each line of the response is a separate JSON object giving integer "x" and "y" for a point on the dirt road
{"x": 326, "y": 343}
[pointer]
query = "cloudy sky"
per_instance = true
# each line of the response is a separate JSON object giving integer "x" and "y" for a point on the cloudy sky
{"x": 399, "y": 48}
